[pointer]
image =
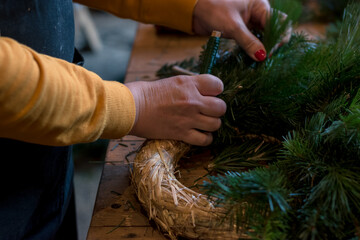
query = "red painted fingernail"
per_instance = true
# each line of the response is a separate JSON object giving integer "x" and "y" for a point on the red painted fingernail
{"x": 260, "y": 55}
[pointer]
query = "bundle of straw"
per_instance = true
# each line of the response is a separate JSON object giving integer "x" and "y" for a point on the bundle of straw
{"x": 177, "y": 210}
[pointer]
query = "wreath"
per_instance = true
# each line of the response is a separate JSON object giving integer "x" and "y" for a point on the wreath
{"x": 286, "y": 161}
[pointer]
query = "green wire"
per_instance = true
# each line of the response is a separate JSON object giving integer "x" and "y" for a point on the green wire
{"x": 210, "y": 53}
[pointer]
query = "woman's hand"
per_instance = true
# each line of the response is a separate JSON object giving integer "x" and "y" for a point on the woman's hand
{"x": 180, "y": 108}
{"x": 233, "y": 18}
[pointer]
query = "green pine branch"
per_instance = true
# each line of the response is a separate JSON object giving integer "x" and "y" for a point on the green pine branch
{"x": 253, "y": 199}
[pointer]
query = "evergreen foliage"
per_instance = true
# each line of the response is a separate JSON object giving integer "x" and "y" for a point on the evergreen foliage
{"x": 287, "y": 157}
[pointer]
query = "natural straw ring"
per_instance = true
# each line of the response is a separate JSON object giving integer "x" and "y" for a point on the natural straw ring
{"x": 177, "y": 210}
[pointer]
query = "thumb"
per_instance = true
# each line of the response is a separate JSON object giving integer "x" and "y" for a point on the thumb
{"x": 250, "y": 43}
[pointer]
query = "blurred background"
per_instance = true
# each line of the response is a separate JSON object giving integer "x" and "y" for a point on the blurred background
{"x": 105, "y": 42}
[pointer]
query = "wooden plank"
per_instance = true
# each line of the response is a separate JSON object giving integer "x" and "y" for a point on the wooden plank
{"x": 152, "y": 50}
{"x": 137, "y": 233}
{"x": 123, "y": 208}
{"x": 313, "y": 30}
{"x": 115, "y": 177}
{"x": 120, "y": 151}
{"x": 152, "y": 60}
{"x": 147, "y": 37}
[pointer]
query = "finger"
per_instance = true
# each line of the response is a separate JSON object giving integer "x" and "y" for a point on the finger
{"x": 259, "y": 14}
{"x": 209, "y": 85}
{"x": 213, "y": 107}
{"x": 195, "y": 137}
{"x": 208, "y": 124}
{"x": 251, "y": 44}
{"x": 261, "y": 11}
{"x": 287, "y": 35}
{"x": 278, "y": 45}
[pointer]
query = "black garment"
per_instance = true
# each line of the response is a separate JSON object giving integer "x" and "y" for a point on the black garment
{"x": 35, "y": 180}
{"x": 47, "y": 26}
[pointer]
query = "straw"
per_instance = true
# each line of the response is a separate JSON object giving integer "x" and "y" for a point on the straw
{"x": 177, "y": 210}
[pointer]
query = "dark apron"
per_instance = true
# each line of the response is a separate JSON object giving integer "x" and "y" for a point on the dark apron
{"x": 36, "y": 181}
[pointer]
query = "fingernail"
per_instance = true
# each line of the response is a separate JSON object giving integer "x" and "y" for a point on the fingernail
{"x": 260, "y": 55}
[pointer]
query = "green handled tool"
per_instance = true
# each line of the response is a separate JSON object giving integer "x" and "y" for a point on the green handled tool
{"x": 210, "y": 53}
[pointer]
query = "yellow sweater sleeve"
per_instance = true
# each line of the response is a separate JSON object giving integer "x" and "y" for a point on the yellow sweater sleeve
{"x": 49, "y": 101}
{"x": 176, "y": 14}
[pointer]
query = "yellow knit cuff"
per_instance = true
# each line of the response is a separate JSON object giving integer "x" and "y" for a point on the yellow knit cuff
{"x": 121, "y": 110}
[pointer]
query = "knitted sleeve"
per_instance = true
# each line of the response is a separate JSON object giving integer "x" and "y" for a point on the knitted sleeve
{"x": 49, "y": 101}
{"x": 176, "y": 14}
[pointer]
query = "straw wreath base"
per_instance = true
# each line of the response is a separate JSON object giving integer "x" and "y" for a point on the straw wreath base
{"x": 177, "y": 210}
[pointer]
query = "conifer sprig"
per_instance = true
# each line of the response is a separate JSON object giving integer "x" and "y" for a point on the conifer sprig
{"x": 247, "y": 155}
{"x": 253, "y": 198}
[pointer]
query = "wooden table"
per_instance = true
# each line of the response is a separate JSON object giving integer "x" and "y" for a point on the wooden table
{"x": 117, "y": 214}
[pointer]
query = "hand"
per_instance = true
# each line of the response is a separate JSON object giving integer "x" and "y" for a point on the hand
{"x": 181, "y": 108}
{"x": 234, "y": 18}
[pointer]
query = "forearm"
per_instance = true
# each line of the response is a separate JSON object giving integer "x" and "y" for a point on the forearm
{"x": 176, "y": 14}
{"x": 49, "y": 101}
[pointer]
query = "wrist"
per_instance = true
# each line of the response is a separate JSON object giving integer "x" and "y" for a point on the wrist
{"x": 137, "y": 93}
